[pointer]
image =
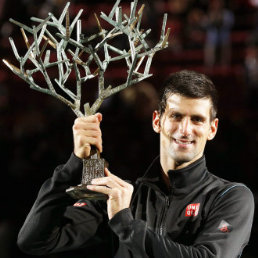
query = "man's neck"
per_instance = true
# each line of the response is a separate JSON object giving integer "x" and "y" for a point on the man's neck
{"x": 170, "y": 164}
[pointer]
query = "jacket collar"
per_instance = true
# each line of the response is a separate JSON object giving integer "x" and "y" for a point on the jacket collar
{"x": 182, "y": 180}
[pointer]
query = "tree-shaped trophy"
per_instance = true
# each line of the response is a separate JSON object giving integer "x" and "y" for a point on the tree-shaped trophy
{"x": 56, "y": 44}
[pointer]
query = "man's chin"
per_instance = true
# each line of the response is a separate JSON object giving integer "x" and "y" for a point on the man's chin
{"x": 182, "y": 161}
{"x": 183, "y": 158}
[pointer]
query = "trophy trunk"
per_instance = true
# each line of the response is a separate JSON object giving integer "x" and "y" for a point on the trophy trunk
{"x": 93, "y": 167}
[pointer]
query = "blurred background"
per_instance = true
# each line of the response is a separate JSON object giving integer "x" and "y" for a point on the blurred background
{"x": 218, "y": 38}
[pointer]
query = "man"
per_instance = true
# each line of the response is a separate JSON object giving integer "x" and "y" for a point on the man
{"x": 177, "y": 209}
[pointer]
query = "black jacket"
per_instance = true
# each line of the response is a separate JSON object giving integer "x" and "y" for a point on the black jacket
{"x": 201, "y": 215}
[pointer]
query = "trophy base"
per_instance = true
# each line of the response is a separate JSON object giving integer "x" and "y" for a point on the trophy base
{"x": 81, "y": 192}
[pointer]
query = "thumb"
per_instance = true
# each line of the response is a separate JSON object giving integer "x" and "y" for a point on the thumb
{"x": 107, "y": 172}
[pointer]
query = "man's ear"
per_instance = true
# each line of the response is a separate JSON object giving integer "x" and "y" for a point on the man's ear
{"x": 213, "y": 129}
{"x": 156, "y": 121}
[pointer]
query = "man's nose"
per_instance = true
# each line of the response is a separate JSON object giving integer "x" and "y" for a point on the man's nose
{"x": 185, "y": 126}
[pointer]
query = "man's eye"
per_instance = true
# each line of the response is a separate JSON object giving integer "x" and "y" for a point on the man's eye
{"x": 197, "y": 119}
{"x": 176, "y": 116}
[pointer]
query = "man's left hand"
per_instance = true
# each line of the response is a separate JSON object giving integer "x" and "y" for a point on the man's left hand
{"x": 119, "y": 192}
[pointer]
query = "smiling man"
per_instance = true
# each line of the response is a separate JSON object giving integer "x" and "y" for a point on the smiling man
{"x": 186, "y": 119}
{"x": 184, "y": 129}
{"x": 177, "y": 209}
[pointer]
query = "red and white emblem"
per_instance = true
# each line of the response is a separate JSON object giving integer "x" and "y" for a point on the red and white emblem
{"x": 224, "y": 226}
{"x": 192, "y": 210}
{"x": 80, "y": 204}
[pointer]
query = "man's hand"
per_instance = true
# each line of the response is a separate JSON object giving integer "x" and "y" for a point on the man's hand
{"x": 86, "y": 132}
{"x": 119, "y": 192}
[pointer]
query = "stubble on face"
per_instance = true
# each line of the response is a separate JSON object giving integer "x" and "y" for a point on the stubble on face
{"x": 180, "y": 147}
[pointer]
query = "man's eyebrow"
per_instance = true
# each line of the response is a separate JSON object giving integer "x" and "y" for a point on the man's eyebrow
{"x": 173, "y": 111}
{"x": 198, "y": 116}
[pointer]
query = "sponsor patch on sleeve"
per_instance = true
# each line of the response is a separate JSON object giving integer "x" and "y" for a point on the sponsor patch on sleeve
{"x": 224, "y": 227}
{"x": 80, "y": 204}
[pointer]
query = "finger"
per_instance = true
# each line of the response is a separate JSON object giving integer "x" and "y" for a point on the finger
{"x": 91, "y": 133}
{"x": 93, "y": 137}
{"x": 82, "y": 141}
{"x": 107, "y": 172}
{"x": 97, "y": 118}
{"x": 83, "y": 125}
{"x": 105, "y": 181}
{"x": 100, "y": 189}
{"x": 94, "y": 142}
{"x": 116, "y": 178}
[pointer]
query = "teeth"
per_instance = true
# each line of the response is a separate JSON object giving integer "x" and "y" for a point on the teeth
{"x": 183, "y": 142}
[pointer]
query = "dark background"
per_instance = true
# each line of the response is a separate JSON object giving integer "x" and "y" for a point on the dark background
{"x": 35, "y": 129}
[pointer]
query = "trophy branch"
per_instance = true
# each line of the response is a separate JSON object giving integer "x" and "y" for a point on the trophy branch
{"x": 57, "y": 43}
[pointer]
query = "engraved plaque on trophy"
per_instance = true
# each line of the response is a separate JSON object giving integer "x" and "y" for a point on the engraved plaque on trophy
{"x": 93, "y": 167}
{"x": 57, "y": 43}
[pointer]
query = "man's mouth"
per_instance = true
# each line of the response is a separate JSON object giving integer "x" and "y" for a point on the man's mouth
{"x": 183, "y": 142}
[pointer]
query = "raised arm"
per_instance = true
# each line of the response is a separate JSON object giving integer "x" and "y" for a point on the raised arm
{"x": 54, "y": 223}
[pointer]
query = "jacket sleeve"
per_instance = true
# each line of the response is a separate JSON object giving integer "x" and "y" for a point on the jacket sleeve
{"x": 54, "y": 224}
{"x": 224, "y": 234}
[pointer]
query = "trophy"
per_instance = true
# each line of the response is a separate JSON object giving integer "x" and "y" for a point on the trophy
{"x": 58, "y": 52}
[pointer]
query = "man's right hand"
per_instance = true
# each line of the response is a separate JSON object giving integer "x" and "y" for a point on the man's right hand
{"x": 86, "y": 132}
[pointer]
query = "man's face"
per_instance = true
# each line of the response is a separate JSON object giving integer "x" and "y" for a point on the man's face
{"x": 184, "y": 128}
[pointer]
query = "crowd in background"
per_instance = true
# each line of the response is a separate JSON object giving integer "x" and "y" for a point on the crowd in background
{"x": 217, "y": 37}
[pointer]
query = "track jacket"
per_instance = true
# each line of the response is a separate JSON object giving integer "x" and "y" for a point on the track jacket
{"x": 201, "y": 215}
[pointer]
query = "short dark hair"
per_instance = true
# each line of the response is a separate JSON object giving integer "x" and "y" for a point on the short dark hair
{"x": 189, "y": 84}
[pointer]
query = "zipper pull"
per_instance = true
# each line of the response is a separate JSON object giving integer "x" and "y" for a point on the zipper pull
{"x": 167, "y": 201}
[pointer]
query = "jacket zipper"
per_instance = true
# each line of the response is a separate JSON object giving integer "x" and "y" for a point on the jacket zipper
{"x": 168, "y": 200}
{"x": 163, "y": 216}
{"x": 161, "y": 229}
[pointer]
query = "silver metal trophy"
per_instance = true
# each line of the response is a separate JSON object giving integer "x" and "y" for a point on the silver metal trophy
{"x": 57, "y": 50}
